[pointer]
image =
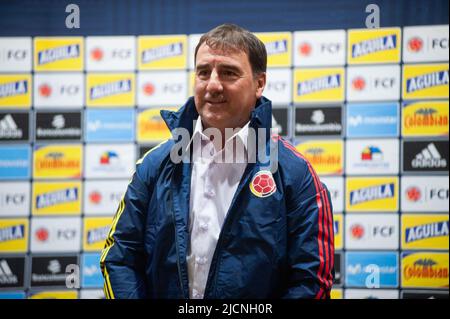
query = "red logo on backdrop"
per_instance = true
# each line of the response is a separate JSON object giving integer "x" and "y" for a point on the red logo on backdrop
{"x": 42, "y": 234}
{"x": 45, "y": 90}
{"x": 415, "y": 44}
{"x": 357, "y": 231}
{"x": 413, "y": 194}
{"x": 305, "y": 49}
{"x": 95, "y": 197}
{"x": 358, "y": 83}
{"x": 97, "y": 54}
{"x": 263, "y": 184}
{"x": 149, "y": 89}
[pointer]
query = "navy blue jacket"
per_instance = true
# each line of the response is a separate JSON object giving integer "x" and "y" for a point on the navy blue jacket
{"x": 279, "y": 246}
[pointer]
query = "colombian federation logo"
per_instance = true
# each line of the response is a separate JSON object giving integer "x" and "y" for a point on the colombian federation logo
{"x": 58, "y": 54}
{"x": 278, "y": 47}
{"x": 425, "y": 81}
{"x": 366, "y": 46}
{"x": 263, "y": 184}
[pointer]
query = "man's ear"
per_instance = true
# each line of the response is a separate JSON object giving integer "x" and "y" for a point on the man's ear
{"x": 260, "y": 84}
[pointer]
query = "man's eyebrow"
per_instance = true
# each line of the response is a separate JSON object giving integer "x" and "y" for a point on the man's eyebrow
{"x": 220, "y": 65}
{"x": 202, "y": 66}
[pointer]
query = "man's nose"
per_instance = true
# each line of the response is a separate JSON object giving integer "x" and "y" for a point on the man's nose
{"x": 214, "y": 84}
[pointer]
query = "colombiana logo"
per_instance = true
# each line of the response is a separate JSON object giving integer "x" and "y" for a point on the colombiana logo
{"x": 263, "y": 184}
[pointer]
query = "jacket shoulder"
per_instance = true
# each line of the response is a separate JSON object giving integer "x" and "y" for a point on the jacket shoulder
{"x": 297, "y": 172}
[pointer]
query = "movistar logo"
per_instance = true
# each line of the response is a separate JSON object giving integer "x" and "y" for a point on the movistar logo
{"x": 367, "y": 194}
{"x": 374, "y": 45}
{"x": 426, "y": 81}
{"x": 319, "y": 84}
{"x": 426, "y": 231}
{"x": 112, "y": 88}
{"x": 59, "y": 197}
{"x": 59, "y": 53}
{"x": 13, "y": 88}
{"x": 162, "y": 52}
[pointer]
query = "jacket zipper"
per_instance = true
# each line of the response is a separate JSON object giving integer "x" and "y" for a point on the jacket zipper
{"x": 212, "y": 276}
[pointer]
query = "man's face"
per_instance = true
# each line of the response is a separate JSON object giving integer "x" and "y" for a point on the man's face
{"x": 225, "y": 88}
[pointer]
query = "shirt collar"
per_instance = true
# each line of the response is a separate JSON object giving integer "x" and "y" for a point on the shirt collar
{"x": 242, "y": 134}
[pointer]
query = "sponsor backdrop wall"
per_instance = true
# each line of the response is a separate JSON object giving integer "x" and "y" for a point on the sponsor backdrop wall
{"x": 368, "y": 107}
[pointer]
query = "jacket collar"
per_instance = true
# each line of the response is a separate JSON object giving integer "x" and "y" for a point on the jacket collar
{"x": 261, "y": 116}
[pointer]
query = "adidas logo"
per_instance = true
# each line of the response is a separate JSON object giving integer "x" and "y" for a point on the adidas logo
{"x": 6, "y": 275}
{"x": 8, "y": 128}
{"x": 429, "y": 157}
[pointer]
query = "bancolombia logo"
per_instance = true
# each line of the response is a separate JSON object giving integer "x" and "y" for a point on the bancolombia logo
{"x": 57, "y": 126}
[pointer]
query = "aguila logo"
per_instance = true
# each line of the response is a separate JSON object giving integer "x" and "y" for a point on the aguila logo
{"x": 263, "y": 184}
{"x": 415, "y": 44}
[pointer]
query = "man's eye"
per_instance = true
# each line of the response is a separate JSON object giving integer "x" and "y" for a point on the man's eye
{"x": 229, "y": 73}
{"x": 202, "y": 73}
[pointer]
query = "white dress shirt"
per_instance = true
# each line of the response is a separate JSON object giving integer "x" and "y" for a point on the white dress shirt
{"x": 214, "y": 180}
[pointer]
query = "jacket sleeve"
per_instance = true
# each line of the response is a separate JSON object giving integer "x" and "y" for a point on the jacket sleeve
{"x": 310, "y": 239}
{"x": 122, "y": 259}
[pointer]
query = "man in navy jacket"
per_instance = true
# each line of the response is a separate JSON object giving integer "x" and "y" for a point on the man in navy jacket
{"x": 210, "y": 216}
